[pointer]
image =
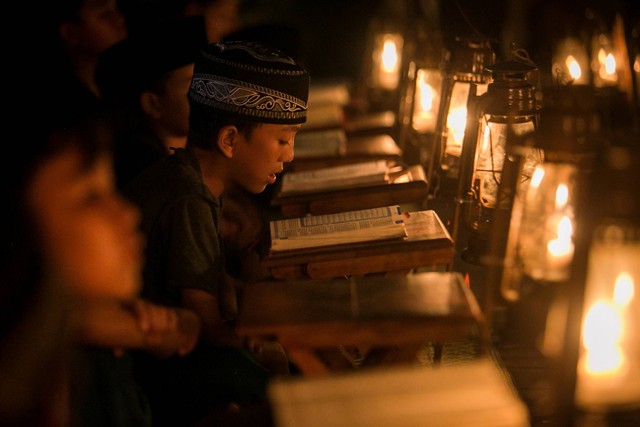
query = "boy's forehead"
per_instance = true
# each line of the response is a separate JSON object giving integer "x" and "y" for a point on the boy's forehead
{"x": 275, "y": 127}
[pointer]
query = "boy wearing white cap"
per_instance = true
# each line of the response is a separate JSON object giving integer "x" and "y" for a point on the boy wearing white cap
{"x": 247, "y": 102}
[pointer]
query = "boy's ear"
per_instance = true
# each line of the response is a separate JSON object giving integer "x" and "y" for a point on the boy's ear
{"x": 227, "y": 140}
{"x": 149, "y": 104}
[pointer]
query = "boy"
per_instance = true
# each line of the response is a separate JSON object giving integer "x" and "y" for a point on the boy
{"x": 145, "y": 80}
{"x": 247, "y": 101}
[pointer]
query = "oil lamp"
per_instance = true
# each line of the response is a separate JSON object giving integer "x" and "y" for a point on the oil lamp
{"x": 595, "y": 339}
{"x": 384, "y": 62}
{"x": 539, "y": 246}
{"x": 386, "y": 58}
{"x": 504, "y": 116}
{"x": 420, "y": 103}
{"x": 466, "y": 78}
{"x": 604, "y": 61}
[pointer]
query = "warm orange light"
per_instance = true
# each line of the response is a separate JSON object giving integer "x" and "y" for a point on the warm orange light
{"x": 601, "y": 334}
{"x": 561, "y": 248}
{"x": 389, "y": 56}
{"x": 456, "y": 121}
{"x": 609, "y": 364}
{"x": 562, "y": 196}
{"x": 386, "y": 61}
{"x": 574, "y": 68}
{"x": 426, "y": 94}
{"x": 537, "y": 177}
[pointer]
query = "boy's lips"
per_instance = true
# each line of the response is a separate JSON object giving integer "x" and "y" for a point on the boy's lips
{"x": 273, "y": 177}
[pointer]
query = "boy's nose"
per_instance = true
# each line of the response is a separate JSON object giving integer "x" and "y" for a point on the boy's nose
{"x": 288, "y": 155}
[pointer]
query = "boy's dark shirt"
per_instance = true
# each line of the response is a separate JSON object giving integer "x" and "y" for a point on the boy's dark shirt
{"x": 134, "y": 152}
{"x": 181, "y": 221}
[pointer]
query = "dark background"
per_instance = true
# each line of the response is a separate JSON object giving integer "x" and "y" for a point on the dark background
{"x": 330, "y": 36}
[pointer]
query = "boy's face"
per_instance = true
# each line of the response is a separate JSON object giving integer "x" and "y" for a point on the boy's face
{"x": 171, "y": 111}
{"x": 259, "y": 158}
{"x": 89, "y": 234}
{"x": 100, "y": 26}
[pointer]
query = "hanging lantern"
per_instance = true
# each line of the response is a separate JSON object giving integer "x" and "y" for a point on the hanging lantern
{"x": 385, "y": 57}
{"x": 420, "y": 104}
{"x": 598, "y": 353}
{"x": 539, "y": 247}
{"x": 503, "y": 116}
{"x": 604, "y": 61}
{"x": 466, "y": 78}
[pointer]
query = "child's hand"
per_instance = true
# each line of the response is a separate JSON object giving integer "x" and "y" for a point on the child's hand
{"x": 270, "y": 355}
{"x": 166, "y": 330}
{"x": 190, "y": 326}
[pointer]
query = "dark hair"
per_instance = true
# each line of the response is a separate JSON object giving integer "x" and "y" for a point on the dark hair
{"x": 204, "y": 125}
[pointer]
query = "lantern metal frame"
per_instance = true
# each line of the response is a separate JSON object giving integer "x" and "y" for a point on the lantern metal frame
{"x": 467, "y": 75}
{"x": 510, "y": 104}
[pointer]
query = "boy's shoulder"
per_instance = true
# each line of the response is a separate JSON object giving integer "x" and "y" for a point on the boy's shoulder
{"x": 171, "y": 177}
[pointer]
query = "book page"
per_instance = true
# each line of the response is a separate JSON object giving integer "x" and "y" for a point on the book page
{"x": 373, "y": 172}
{"x": 340, "y": 228}
{"x": 475, "y": 393}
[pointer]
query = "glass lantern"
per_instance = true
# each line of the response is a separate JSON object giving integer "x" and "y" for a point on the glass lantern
{"x": 540, "y": 243}
{"x": 420, "y": 104}
{"x": 507, "y": 113}
{"x": 385, "y": 57}
{"x": 598, "y": 371}
{"x": 604, "y": 61}
{"x": 466, "y": 78}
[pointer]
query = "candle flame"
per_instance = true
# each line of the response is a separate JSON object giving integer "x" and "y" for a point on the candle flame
{"x": 562, "y": 246}
{"x": 565, "y": 228}
{"x": 623, "y": 291}
{"x": 562, "y": 196}
{"x": 610, "y": 64}
{"x": 537, "y": 176}
{"x": 389, "y": 56}
{"x": 574, "y": 68}
{"x": 457, "y": 121}
{"x": 426, "y": 96}
{"x": 601, "y": 333}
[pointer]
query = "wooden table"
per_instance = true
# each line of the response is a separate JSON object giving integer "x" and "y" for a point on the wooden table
{"x": 306, "y": 316}
{"x": 428, "y": 244}
{"x": 408, "y": 186}
{"x": 357, "y": 149}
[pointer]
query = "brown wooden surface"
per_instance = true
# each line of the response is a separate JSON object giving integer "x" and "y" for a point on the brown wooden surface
{"x": 423, "y": 247}
{"x": 305, "y": 316}
{"x": 358, "y": 149}
{"x": 355, "y": 198}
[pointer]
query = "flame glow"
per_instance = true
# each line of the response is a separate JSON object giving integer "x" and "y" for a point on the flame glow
{"x": 389, "y": 56}
{"x": 426, "y": 96}
{"x": 574, "y": 68}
